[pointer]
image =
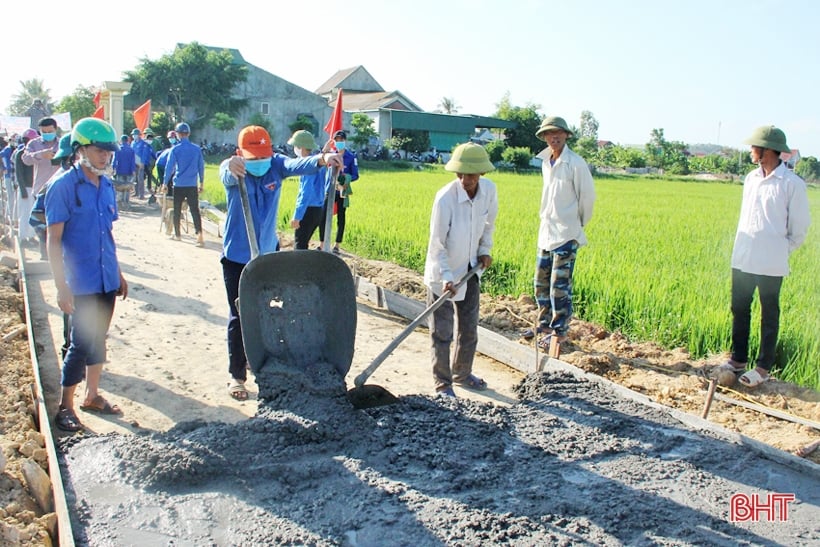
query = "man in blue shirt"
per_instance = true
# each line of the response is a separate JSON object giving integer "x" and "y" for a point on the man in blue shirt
{"x": 264, "y": 172}
{"x": 310, "y": 201}
{"x": 125, "y": 167}
{"x": 80, "y": 211}
{"x": 349, "y": 174}
{"x": 145, "y": 159}
{"x": 186, "y": 167}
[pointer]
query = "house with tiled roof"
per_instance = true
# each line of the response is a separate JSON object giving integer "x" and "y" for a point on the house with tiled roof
{"x": 393, "y": 111}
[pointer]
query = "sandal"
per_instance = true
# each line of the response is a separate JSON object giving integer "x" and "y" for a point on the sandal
{"x": 752, "y": 378}
{"x": 100, "y": 406}
{"x": 237, "y": 390}
{"x": 447, "y": 391}
{"x": 732, "y": 366}
{"x": 544, "y": 342}
{"x": 67, "y": 420}
{"x": 529, "y": 334}
{"x": 473, "y": 382}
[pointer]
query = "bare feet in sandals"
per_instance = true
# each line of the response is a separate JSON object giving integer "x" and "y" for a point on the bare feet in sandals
{"x": 755, "y": 377}
{"x": 99, "y": 405}
{"x": 237, "y": 390}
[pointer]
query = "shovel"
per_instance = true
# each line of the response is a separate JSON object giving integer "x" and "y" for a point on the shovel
{"x": 297, "y": 309}
{"x": 365, "y": 396}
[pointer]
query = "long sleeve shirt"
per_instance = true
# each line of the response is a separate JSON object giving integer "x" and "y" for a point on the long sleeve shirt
{"x": 567, "y": 198}
{"x": 312, "y": 192}
{"x": 124, "y": 161}
{"x": 35, "y": 156}
{"x": 186, "y": 165}
{"x": 774, "y": 220}
{"x": 263, "y": 193}
{"x": 461, "y": 230}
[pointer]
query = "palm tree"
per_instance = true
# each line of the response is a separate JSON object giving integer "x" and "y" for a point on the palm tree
{"x": 448, "y": 105}
{"x": 31, "y": 90}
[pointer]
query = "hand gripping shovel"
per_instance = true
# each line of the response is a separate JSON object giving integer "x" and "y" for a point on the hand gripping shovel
{"x": 365, "y": 396}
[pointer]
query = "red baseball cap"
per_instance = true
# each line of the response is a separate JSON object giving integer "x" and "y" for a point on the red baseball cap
{"x": 254, "y": 142}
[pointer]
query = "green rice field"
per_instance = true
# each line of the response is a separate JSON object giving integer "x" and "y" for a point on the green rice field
{"x": 657, "y": 267}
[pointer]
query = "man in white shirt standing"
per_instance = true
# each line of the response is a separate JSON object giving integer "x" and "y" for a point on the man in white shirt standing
{"x": 567, "y": 198}
{"x": 774, "y": 219}
{"x": 461, "y": 237}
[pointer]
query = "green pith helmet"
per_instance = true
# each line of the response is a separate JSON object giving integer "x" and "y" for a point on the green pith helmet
{"x": 64, "y": 149}
{"x": 94, "y": 131}
{"x": 768, "y": 136}
{"x": 550, "y": 123}
{"x": 469, "y": 159}
{"x": 303, "y": 139}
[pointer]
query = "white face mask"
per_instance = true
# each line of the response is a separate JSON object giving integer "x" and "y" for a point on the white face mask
{"x": 108, "y": 170}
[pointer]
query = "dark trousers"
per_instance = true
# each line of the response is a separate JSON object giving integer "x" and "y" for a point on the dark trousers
{"x": 441, "y": 336}
{"x": 191, "y": 195}
{"x": 236, "y": 348}
{"x": 313, "y": 218}
{"x": 340, "y": 220}
{"x": 768, "y": 290}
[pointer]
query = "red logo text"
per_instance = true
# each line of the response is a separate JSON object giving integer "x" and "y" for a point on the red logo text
{"x": 754, "y": 508}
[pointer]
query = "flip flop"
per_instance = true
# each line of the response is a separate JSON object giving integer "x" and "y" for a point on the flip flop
{"x": 237, "y": 390}
{"x": 544, "y": 342}
{"x": 728, "y": 365}
{"x": 529, "y": 334}
{"x": 66, "y": 420}
{"x": 752, "y": 378}
{"x": 473, "y": 382}
{"x": 100, "y": 406}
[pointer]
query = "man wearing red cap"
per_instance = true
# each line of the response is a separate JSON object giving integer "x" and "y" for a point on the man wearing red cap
{"x": 264, "y": 172}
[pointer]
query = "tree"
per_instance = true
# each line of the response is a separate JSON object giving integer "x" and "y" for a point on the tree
{"x": 303, "y": 123}
{"x": 808, "y": 168}
{"x": 79, "y": 104}
{"x": 223, "y": 122}
{"x": 589, "y": 126}
{"x": 587, "y": 148}
{"x": 527, "y": 120}
{"x": 415, "y": 140}
{"x": 363, "y": 124}
{"x": 31, "y": 90}
{"x": 398, "y": 142}
{"x": 495, "y": 149}
{"x": 193, "y": 82}
{"x": 448, "y": 105}
{"x": 518, "y": 156}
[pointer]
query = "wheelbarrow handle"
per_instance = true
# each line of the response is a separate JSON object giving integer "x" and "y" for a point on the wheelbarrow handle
{"x": 246, "y": 212}
{"x": 371, "y": 368}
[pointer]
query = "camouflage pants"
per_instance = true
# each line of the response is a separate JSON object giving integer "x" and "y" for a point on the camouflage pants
{"x": 553, "y": 287}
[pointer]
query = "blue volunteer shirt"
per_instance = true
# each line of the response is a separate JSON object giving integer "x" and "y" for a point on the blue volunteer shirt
{"x": 88, "y": 211}
{"x": 263, "y": 194}
{"x": 312, "y": 192}
{"x": 186, "y": 165}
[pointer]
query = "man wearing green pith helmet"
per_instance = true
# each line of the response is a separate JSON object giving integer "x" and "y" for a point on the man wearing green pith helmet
{"x": 774, "y": 220}
{"x": 567, "y": 198}
{"x": 461, "y": 237}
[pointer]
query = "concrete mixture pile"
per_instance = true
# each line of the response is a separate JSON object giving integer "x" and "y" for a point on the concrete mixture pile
{"x": 571, "y": 463}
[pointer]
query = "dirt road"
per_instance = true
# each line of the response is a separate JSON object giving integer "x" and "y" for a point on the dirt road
{"x": 571, "y": 462}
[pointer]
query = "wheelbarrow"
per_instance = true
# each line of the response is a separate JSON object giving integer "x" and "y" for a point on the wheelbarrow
{"x": 298, "y": 312}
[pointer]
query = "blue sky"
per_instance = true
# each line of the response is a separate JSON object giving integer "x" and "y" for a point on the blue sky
{"x": 703, "y": 71}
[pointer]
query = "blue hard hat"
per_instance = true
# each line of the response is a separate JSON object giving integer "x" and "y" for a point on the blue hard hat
{"x": 182, "y": 127}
